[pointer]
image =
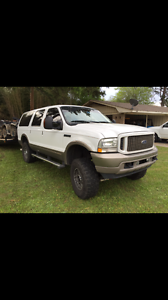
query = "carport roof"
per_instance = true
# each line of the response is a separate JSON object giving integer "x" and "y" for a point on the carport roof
{"x": 128, "y": 106}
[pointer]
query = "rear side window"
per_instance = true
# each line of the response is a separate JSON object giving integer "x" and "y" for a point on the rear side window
{"x": 25, "y": 120}
{"x": 38, "y": 117}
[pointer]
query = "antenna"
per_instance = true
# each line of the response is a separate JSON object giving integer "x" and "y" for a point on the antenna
{"x": 133, "y": 102}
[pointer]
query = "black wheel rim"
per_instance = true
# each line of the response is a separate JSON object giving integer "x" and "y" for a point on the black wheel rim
{"x": 78, "y": 179}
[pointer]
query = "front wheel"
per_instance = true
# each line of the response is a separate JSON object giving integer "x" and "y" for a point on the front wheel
{"x": 137, "y": 175}
{"x": 84, "y": 178}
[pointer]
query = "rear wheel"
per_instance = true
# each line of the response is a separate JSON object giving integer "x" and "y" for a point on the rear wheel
{"x": 26, "y": 151}
{"x": 137, "y": 175}
{"x": 84, "y": 178}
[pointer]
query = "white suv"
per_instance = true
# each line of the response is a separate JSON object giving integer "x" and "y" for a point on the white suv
{"x": 84, "y": 138}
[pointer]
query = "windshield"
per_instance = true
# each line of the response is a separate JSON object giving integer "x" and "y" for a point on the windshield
{"x": 76, "y": 115}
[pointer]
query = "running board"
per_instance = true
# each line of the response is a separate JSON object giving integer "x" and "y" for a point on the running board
{"x": 49, "y": 160}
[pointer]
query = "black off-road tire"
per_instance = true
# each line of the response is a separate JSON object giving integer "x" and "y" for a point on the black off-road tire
{"x": 84, "y": 178}
{"x": 137, "y": 175}
{"x": 26, "y": 151}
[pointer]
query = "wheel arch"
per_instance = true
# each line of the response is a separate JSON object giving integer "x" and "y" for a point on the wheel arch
{"x": 24, "y": 138}
{"x": 76, "y": 150}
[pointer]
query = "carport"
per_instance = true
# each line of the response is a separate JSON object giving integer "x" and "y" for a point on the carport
{"x": 123, "y": 113}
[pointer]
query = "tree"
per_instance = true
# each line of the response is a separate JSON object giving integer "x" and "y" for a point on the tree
{"x": 3, "y": 110}
{"x": 162, "y": 91}
{"x": 16, "y": 100}
{"x": 81, "y": 95}
{"x": 143, "y": 94}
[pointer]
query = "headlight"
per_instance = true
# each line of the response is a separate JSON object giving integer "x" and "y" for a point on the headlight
{"x": 107, "y": 145}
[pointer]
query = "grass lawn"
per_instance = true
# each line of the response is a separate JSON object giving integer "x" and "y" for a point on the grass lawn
{"x": 43, "y": 188}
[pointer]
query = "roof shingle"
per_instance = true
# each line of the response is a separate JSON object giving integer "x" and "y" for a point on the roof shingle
{"x": 139, "y": 107}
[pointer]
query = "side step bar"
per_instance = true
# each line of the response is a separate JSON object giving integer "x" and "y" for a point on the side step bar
{"x": 49, "y": 160}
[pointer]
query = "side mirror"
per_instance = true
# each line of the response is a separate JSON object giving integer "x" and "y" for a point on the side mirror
{"x": 48, "y": 122}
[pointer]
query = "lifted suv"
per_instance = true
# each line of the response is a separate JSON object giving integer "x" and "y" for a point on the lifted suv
{"x": 84, "y": 138}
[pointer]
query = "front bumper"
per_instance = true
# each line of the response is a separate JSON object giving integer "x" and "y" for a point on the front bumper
{"x": 115, "y": 165}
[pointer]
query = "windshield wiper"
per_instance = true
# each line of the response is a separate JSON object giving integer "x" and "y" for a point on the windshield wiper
{"x": 81, "y": 121}
{"x": 99, "y": 122}
{"x": 106, "y": 122}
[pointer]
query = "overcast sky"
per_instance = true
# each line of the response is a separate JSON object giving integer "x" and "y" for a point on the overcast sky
{"x": 111, "y": 92}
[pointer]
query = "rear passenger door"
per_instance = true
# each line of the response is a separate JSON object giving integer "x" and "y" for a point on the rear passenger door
{"x": 35, "y": 136}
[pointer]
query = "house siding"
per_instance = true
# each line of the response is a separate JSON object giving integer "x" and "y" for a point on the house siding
{"x": 159, "y": 120}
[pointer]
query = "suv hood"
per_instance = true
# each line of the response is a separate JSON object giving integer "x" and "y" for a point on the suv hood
{"x": 107, "y": 130}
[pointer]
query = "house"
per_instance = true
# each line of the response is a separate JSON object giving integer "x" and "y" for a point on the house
{"x": 124, "y": 113}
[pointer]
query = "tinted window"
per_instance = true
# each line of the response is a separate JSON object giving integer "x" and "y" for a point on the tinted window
{"x": 25, "y": 120}
{"x": 37, "y": 118}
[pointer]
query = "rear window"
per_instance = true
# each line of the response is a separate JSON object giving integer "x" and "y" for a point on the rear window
{"x": 25, "y": 120}
{"x": 37, "y": 118}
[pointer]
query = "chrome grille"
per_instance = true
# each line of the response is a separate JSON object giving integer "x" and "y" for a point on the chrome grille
{"x": 140, "y": 142}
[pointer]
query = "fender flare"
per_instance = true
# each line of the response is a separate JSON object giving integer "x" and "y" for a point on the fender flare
{"x": 75, "y": 143}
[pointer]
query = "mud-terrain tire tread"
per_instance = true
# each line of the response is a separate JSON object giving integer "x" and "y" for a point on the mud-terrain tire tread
{"x": 90, "y": 178}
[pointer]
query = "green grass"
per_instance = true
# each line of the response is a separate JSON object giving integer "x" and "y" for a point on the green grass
{"x": 43, "y": 188}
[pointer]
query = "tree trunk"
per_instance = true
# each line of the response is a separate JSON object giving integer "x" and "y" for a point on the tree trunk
{"x": 31, "y": 98}
{"x": 163, "y": 96}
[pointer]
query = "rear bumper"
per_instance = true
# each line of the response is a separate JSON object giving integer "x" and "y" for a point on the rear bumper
{"x": 115, "y": 165}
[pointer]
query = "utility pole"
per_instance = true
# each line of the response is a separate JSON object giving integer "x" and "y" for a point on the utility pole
{"x": 31, "y": 98}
